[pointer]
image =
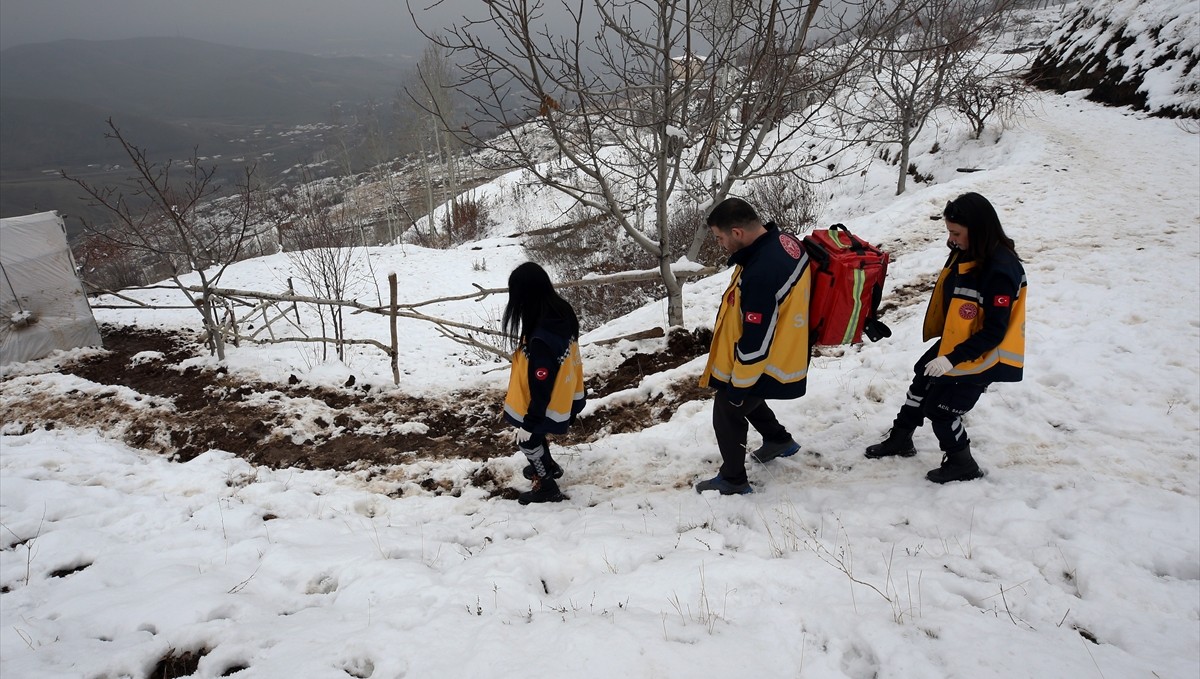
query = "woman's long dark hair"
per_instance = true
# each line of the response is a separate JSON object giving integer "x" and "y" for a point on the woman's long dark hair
{"x": 531, "y": 298}
{"x": 985, "y": 235}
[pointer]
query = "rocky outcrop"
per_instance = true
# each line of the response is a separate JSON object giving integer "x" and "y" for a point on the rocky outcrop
{"x": 1137, "y": 53}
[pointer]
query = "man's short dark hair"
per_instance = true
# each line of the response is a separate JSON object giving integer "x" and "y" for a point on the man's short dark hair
{"x": 733, "y": 212}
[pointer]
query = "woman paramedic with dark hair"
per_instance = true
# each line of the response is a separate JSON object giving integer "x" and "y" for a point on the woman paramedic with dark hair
{"x": 545, "y": 387}
{"x": 977, "y": 312}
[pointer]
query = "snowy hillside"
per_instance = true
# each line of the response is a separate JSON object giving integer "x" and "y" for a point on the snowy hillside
{"x": 1077, "y": 556}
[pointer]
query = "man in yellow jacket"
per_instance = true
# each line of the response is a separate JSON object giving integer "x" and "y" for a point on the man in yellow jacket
{"x": 760, "y": 340}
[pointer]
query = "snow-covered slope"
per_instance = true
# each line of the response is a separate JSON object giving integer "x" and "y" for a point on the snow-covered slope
{"x": 1079, "y": 555}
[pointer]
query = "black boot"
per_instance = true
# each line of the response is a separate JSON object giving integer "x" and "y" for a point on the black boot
{"x": 544, "y": 490}
{"x": 957, "y": 465}
{"x": 552, "y": 469}
{"x": 770, "y": 450}
{"x": 897, "y": 444}
{"x": 542, "y": 470}
{"x": 541, "y": 463}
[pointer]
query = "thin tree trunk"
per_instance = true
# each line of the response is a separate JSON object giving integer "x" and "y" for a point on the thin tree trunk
{"x": 905, "y": 150}
{"x": 674, "y": 294}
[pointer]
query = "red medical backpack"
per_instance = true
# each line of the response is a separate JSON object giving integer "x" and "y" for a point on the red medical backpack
{"x": 847, "y": 285}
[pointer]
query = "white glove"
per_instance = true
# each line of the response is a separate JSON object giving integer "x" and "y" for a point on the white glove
{"x": 938, "y": 367}
{"x": 521, "y": 436}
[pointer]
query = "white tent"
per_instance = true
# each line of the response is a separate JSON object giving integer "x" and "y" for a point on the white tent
{"x": 42, "y": 303}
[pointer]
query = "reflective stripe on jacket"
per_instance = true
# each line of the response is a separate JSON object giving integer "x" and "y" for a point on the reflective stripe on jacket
{"x": 760, "y": 337}
{"x": 963, "y": 301}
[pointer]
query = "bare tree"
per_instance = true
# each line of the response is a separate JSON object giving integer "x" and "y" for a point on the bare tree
{"x": 916, "y": 66}
{"x": 668, "y": 101}
{"x": 434, "y": 102}
{"x": 170, "y": 229}
{"x": 793, "y": 204}
{"x": 320, "y": 236}
{"x": 986, "y": 93}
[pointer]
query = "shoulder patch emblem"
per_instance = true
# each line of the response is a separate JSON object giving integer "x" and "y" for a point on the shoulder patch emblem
{"x": 968, "y": 311}
{"x": 790, "y": 245}
{"x": 1002, "y": 300}
{"x": 541, "y": 374}
{"x": 752, "y": 317}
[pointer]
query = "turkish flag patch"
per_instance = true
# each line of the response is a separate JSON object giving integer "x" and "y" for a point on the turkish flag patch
{"x": 541, "y": 374}
{"x": 1002, "y": 300}
{"x": 752, "y": 317}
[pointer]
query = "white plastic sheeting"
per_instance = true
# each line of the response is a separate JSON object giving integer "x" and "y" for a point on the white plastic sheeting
{"x": 42, "y": 303}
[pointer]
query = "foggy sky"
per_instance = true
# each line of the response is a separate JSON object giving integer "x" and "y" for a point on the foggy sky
{"x": 327, "y": 27}
{"x": 374, "y": 28}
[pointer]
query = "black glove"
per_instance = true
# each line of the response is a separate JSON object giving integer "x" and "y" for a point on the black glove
{"x": 875, "y": 330}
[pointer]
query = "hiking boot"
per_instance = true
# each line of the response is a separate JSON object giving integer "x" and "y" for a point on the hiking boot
{"x": 957, "y": 465}
{"x": 897, "y": 444}
{"x": 552, "y": 470}
{"x": 544, "y": 490}
{"x": 724, "y": 487}
{"x": 769, "y": 451}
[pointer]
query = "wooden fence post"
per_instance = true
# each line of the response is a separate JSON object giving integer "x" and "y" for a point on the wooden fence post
{"x": 393, "y": 307}
{"x": 292, "y": 291}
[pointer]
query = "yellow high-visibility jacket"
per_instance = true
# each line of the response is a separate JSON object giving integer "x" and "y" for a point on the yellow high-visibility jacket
{"x": 980, "y": 317}
{"x": 545, "y": 385}
{"x": 760, "y": 337}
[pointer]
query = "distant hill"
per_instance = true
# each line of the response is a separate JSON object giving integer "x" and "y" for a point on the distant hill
{"x": 169, "y": 96}
{"x": 177, "y": 79}
{"x": 47, "y": 134}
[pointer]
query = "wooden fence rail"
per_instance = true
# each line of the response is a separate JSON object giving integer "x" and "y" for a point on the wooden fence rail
{"x": 266, "y": 303}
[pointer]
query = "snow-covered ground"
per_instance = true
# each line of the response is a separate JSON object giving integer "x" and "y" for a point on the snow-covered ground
{"x": 1077, "y": 556}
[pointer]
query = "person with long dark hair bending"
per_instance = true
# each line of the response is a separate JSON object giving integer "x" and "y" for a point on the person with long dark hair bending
{"x": 977, "y": 312}
{"x": 545, "y": 386}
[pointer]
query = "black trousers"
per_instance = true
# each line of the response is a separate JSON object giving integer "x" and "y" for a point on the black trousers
{"x": 732, "y": 422}
{"x": 942, "y": 401}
